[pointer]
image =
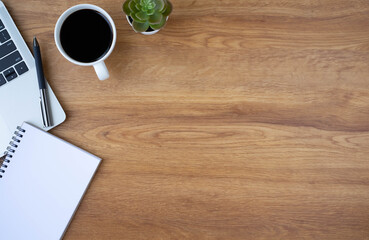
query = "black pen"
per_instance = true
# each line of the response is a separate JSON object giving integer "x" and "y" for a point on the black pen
{"x": 42, "y": 85}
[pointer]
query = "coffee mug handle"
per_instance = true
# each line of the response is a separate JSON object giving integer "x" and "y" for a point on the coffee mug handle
{"x": 101, "y": 70}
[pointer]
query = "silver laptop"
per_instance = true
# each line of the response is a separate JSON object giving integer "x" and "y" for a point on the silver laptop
{"x": 19, "y": 93}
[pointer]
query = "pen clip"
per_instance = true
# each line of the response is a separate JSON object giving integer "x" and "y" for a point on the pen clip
{"x": 42, "y": 113}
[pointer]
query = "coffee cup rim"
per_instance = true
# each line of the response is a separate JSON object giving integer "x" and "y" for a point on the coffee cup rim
{"x": 65, "y": 15}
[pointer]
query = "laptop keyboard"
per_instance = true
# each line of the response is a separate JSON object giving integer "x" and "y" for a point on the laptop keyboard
{"x": 11, "y": 62}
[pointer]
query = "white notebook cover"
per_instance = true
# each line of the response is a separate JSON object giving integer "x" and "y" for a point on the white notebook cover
{"x": 42, "y": 186}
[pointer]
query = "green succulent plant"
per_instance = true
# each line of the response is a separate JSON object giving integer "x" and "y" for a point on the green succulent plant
{"x": 147, "y": 13}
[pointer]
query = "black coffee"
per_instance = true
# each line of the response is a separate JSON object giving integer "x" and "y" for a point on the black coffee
{"x": 86, "y": 35}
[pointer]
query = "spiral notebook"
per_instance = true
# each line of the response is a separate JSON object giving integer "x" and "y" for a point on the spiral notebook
{"x": 42, "y": 182}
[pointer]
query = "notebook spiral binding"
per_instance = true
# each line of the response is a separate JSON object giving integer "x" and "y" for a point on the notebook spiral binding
{"x": 11, "y": 149}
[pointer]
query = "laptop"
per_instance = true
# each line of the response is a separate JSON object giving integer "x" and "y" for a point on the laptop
{"x": 19, "y": 91}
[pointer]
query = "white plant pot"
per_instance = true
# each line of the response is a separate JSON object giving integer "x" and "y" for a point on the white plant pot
{"x": 144, "y": 33}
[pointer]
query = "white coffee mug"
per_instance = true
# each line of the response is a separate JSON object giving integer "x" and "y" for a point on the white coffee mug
{"x": 99, "y": 65}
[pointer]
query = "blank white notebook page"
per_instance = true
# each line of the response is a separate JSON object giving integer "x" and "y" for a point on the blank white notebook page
{"x": 42, "y": 186}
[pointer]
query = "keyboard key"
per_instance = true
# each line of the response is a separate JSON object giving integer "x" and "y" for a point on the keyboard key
{"x": 4, "y": 36}
{"x": 2, "y": 80}
{"x": 1, "y": 25}
{"x": 7, "y": 48}
{"x": 9, "y": 71}
{"x": 10, "y": 74}
{"x": 21, "y": 68}
{"x": 10, "y": 60}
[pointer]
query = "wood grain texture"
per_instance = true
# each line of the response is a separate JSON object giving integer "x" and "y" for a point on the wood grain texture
{"x": 242, "y": 119}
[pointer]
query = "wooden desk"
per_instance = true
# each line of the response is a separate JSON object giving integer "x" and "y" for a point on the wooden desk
{"x": 241, "y": 120}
